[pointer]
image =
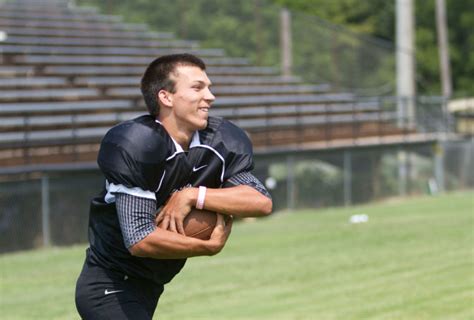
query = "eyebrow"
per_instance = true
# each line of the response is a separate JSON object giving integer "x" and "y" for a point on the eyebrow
{"x": 201, "y": 82}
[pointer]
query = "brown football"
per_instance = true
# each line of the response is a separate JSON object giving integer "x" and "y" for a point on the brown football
{"x": 199, "y": 223}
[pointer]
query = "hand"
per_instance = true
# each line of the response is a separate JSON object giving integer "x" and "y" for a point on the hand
{"x": 177, "y": 207}
{"x": 221, "y": 233}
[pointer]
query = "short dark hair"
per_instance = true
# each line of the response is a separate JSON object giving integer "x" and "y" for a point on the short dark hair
{"x": 157, "y": 77}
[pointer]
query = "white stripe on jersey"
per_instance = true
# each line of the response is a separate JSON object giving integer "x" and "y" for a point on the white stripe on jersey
{"x": 136, "y": 191}
{"x": 161, "y": 181}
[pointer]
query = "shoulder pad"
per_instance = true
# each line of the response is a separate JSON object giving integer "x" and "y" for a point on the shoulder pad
{"x": 235, "y": 146}
{"x": 235, "y": 138}
{"x": 133, "y": 152}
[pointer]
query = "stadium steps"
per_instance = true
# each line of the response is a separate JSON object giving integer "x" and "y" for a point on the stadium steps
{"x": 87, "y": 15}
{"x": 98, "y": 42}
{"x": 29, "y": 83}
{"x": 92, "y": 50}
{"x": 224, "y": 80}
{"x": 50, "y": 115}
{"x": 118, "y": 60}
{"x": 70, "y": 25}
{"x": 97, "y": 34}
{"x": 68, "y": 74}
{"x": 134, "y": 93}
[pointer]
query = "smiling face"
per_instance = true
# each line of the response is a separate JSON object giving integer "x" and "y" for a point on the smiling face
{"x": 188, "y": 107}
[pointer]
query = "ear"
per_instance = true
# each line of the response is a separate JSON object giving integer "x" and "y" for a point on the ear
{"x": 165, "y": 98}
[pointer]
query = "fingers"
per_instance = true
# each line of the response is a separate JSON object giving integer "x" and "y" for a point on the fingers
{"x": 228, "y": 218}
{"x": 180, "y": 227}
{"x": 172, "y": 225}
{"x": 223, "y": 225}
{"x": 165, "y": 223}
{"x": 228, "y": 224}
{"x": 174, "y": 211}
{"x": 219, "y": 228}
{"x": 220, "y": 220}
{"x": 169, "y": 222}
{"x": 159, "y": 218}
{"x": 176, "y": 225}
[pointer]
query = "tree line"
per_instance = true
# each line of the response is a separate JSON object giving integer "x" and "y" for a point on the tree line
{"x": 249, "y": 28}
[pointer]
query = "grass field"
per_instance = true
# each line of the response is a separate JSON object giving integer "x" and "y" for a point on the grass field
{"x": 413, "y": 259}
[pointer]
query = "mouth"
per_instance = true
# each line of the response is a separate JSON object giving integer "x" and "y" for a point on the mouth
{"x": 204, "y": 109}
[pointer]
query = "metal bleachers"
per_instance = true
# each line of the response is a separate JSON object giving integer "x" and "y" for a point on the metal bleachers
{"x": 72, "y": 33}
{"x": 48, "y": 94}
{"x": 109, "y": 60}
{"x": 99, "y": 42}
{"x": 68, "y": 74}
{"x": 73, "y": 71}
{"x": 30, "y": 83}
{"x": 63, "y": 106}
{"x": 235, "y": 90}
{"x": 91, "y": 50}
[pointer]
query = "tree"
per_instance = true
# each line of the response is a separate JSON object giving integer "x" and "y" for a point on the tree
{"x": 250, "y": 29}
{"x": 376, "y": 17}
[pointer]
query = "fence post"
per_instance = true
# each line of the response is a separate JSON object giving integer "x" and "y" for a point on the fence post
{"x": 45, "y": 210}
{"x": 402, "y": 172}
{"x": 285, "y": 42}
{"x": 442, "y": 28}
{"x": 347, "y": 163}
{"x": 439, "y": 166}
{"x": 290, "y": 182}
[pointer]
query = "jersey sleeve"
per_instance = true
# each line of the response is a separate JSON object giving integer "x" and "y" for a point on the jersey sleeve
{"x": 236, "y": 148}
{"x": 131, "y": 157}
{"x": 247, "y": 179}
{"x": 136, "y": 217}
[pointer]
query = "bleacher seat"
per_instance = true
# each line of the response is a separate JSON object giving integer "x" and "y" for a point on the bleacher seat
{"x": 29, "y": 59}
{"x": 98, "y": 42}
{"x": 91, "y": 50}
{"x": 217, "y": 80}
{"x": 48, "y": 94}
{"x": 36, "y": 82}
{"x": 71, "y": 33}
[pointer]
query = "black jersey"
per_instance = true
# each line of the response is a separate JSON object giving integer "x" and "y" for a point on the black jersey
{"x": 138, "y": 157}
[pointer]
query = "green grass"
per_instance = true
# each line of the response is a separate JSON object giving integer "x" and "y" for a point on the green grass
{"x": 414, "y": 259}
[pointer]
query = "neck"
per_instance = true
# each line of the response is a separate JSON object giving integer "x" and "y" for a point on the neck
{"x": 180, "y": 135}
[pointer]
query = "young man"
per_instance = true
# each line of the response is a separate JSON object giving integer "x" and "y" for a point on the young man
{"x": 169, "y": 161}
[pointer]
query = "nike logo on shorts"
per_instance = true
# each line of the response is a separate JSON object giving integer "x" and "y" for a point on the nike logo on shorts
{"x": 111, "y": 291}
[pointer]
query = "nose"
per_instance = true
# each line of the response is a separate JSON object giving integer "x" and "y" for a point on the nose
{"x": 209, "y": 97}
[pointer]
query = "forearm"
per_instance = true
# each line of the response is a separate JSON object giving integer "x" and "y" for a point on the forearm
{"x": 239, "y": 201}
{"x": 164, "y": 244}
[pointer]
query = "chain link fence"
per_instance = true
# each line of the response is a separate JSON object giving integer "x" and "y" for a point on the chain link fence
{"x": 46, "y": 208}
{"x": 354, "y": 176}
{"x": 51, "y": 208}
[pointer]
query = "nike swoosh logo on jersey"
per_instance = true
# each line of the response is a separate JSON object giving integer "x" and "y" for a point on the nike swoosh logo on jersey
{"x": 112, "y": 291}
{"x": 199, "y": 168}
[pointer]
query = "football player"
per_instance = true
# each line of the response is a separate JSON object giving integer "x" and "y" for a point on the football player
{"x": 157, "y": 167}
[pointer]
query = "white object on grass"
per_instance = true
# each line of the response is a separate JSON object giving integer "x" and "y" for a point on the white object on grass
{"x": 359, "y": 218}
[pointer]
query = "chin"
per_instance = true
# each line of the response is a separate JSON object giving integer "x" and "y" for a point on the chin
{"x": 198, "y": 125}
{"x": 204, "y": 125}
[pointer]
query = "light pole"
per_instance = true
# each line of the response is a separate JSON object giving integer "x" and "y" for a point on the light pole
{"x": 405, "y": 54}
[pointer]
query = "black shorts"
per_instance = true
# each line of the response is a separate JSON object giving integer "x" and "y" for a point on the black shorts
{"x": 104, "y": 294}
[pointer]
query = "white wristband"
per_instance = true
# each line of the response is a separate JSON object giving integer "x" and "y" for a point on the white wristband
{"x": 201, "y": 198}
